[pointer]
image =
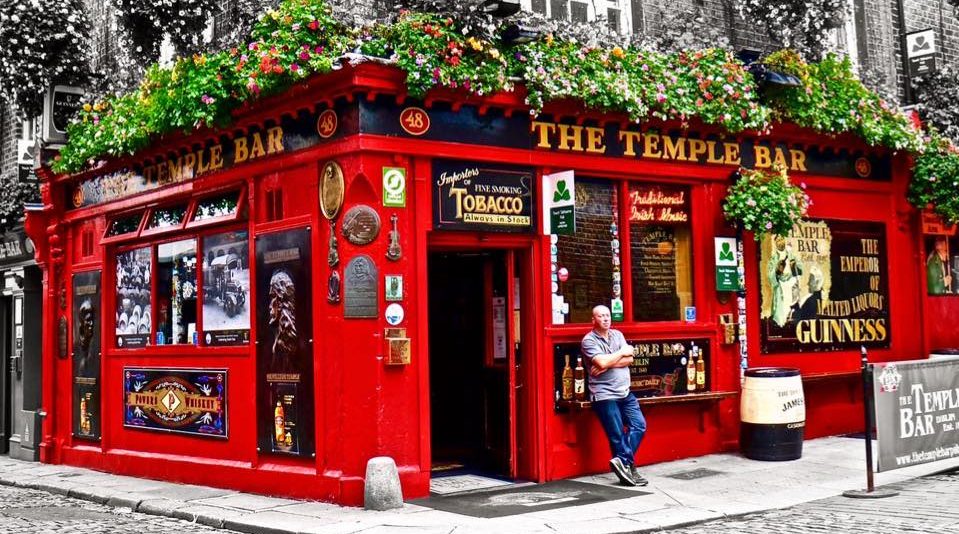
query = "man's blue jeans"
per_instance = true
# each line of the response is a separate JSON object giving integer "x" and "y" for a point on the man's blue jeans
{"x": 614, "y": 414}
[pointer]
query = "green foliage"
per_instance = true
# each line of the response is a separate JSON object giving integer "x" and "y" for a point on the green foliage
{"x": 14, "y": 195}
{"x": 832, "y": 100}
{"x": 935, "y": 179}
{"x": 303, "y": 37}
{"x": 765, "y": 201}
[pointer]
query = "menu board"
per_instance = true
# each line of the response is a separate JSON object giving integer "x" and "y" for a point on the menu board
{"x": 655, "y": 296}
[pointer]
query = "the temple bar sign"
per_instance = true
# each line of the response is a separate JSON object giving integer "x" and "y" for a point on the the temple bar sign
{"x": 651, "y": 145}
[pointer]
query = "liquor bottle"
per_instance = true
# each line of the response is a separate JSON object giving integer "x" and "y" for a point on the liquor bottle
{"x": 579, "y": 382}
{"x": 567, "y": 381}
{"x": 84, "y": 416}
{"x": 691, "y": 369}
{"x": 279, "y": 421}
{"x": 700, "y": 370}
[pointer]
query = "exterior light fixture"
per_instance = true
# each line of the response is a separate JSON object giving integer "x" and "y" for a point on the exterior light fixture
{"x": 765, "y": 78}
{"x": 501, "y": 8}
{"x": 516, "y": 34}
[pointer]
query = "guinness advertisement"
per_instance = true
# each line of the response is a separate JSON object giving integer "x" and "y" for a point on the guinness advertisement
{"x": 480, "y": 197}
{"x": 86, "y": 355}
{"x": 187, "y": 401}
{"x": 825, "y": 288}
{"x": 284, "y": 344}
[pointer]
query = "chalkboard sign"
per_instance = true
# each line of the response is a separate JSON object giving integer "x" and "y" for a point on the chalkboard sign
{"x": 658, "y": 369}
{"x": 655, "y": 297}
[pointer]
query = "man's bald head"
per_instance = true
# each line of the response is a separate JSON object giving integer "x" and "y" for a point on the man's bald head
{"x": 601, "y": 319}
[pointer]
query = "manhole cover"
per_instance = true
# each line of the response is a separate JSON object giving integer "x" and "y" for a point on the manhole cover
{"x": 57, "y": 513}
{"x": 694, "y": 474}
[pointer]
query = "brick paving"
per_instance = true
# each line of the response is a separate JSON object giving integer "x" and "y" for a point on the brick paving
{"x": 38, "y": 512}
{"x": 925, "y": 505}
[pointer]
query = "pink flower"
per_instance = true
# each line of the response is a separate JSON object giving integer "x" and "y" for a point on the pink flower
{"x": 304, "y": 55}
{"x": 769, "y": 226}
{"x": 207, "y": 99}
{"x": 294, "y": 67}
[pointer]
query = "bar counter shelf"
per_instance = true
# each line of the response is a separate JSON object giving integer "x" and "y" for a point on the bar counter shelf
{"x": 663, "y": 399}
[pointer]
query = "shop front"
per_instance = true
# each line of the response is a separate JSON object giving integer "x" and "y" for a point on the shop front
{"x": 345, "y": 273}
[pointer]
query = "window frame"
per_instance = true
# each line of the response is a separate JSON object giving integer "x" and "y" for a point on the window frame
{"x": 108, "y": 239}
{"x": 222, "y": 219}
{"x": 622, "y": 183}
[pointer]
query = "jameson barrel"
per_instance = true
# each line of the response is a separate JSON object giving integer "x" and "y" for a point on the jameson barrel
{"x": 773, "y": 414}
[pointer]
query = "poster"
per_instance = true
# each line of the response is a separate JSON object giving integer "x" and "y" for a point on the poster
{"x": 187, "y": 401}
{"x": 226, "y": 288}
{"x": 476, "y": 196}
{"x": 284, "y": 343}
{"x": 86, "y": 355}
{"x": 917, "y": 411}
{"x": 824, "y": 287}
{"x": 133, "y": 316}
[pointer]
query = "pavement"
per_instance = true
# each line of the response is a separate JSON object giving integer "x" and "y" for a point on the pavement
{"x": 680, "y": 494}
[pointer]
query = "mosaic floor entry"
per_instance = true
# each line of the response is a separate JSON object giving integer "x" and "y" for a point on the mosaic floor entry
{"x": 527, "y": 498}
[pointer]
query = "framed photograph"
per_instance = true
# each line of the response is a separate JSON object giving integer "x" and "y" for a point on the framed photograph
{"x": 394, "y": 287}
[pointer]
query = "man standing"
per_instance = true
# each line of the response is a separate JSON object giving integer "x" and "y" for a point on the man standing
{"x": 609, "y": 357}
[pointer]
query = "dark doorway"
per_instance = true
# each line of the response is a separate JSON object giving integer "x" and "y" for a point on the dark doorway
{"x": 470, "y": 363}
{"x": 6, "y": 351}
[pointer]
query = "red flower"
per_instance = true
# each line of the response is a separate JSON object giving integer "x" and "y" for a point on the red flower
{"x": 454, "y": 60}
{"x": 315, "y": 25}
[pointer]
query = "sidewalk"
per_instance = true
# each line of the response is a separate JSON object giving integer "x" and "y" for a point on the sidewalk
{"x": 708, "y": 487}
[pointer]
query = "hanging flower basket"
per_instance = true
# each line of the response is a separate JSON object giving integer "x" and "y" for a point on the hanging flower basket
{"x": 765, "y": 201}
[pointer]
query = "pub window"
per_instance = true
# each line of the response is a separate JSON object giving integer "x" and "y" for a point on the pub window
{"x": 586, "y": 259}
{"x": 223, "y": 205}
{"x": 176, "y": 301}
{"x": 133, "y": 311}
{"x": 166, "y": 218}
{"x": 941, "y": 262}
{"x": 660, "y": 234}
{"x": 124, "y": 224}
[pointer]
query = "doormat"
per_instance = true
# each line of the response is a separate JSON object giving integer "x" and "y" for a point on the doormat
{"x": 446, "y": 485}
{"x": 694, "y": 474}
{"x": 527, "y": 499}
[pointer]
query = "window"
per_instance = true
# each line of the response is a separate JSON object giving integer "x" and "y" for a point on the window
{"x": 538, "y": 6}
{"x": 558, "y": 9}
{"x": 614, "y": 23}
{"x": 223, "y": 205}
{"x": 169, "y": 217}
{"x": 176, "y": 293}
{"x": 660, "y": 240}
{"x": 226, "y": 288}
{"x": 578, "y": 11}
{"x": 942, "y": 260}
{"x": 133, "y": 316}
{"x": 588, "y": 259}
{"x": 124, "y": 224}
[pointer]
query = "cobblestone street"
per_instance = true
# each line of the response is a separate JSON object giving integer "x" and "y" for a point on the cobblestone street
{"x": 924, "y": 505}
{"x": 38, "y": 512}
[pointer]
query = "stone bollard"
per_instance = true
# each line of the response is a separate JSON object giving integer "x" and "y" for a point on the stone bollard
{"x": 382, "y": 485}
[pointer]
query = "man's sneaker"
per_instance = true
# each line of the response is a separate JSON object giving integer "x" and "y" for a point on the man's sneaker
{"x": 621, "y": 471}
{"x": 638, "y": 479}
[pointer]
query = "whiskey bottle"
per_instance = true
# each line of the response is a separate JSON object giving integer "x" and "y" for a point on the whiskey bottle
{"x": 700, "y": 370}
{"x": 567, "y": 381}
{"x": 691, "y": 369}
{"x": 84, "y": 416}
{"x": 579, "y": 381}
{"x": 279, "y": 422}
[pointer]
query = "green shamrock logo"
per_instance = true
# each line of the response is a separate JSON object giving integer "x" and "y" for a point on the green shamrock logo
{"x": 561, "y": 192}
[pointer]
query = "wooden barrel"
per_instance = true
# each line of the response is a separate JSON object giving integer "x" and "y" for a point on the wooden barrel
{"x": 773, "y": 414}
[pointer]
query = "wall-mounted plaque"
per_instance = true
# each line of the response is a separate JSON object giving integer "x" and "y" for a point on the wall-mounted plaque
{"x": 331, "y": 189}
{"x": 360, "y": 294}
{"x": 361, "y": 225}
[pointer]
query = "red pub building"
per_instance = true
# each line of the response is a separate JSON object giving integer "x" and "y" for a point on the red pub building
{"x": 346, "y": 273}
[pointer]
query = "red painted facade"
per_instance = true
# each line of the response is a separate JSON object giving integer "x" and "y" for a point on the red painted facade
{"x": 364, "y": 408}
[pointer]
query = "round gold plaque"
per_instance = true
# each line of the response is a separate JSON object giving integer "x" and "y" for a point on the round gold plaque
{"x": 331, "y": 189}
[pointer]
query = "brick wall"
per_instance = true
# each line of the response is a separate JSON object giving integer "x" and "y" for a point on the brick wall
{"x": 10, "y": 131}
